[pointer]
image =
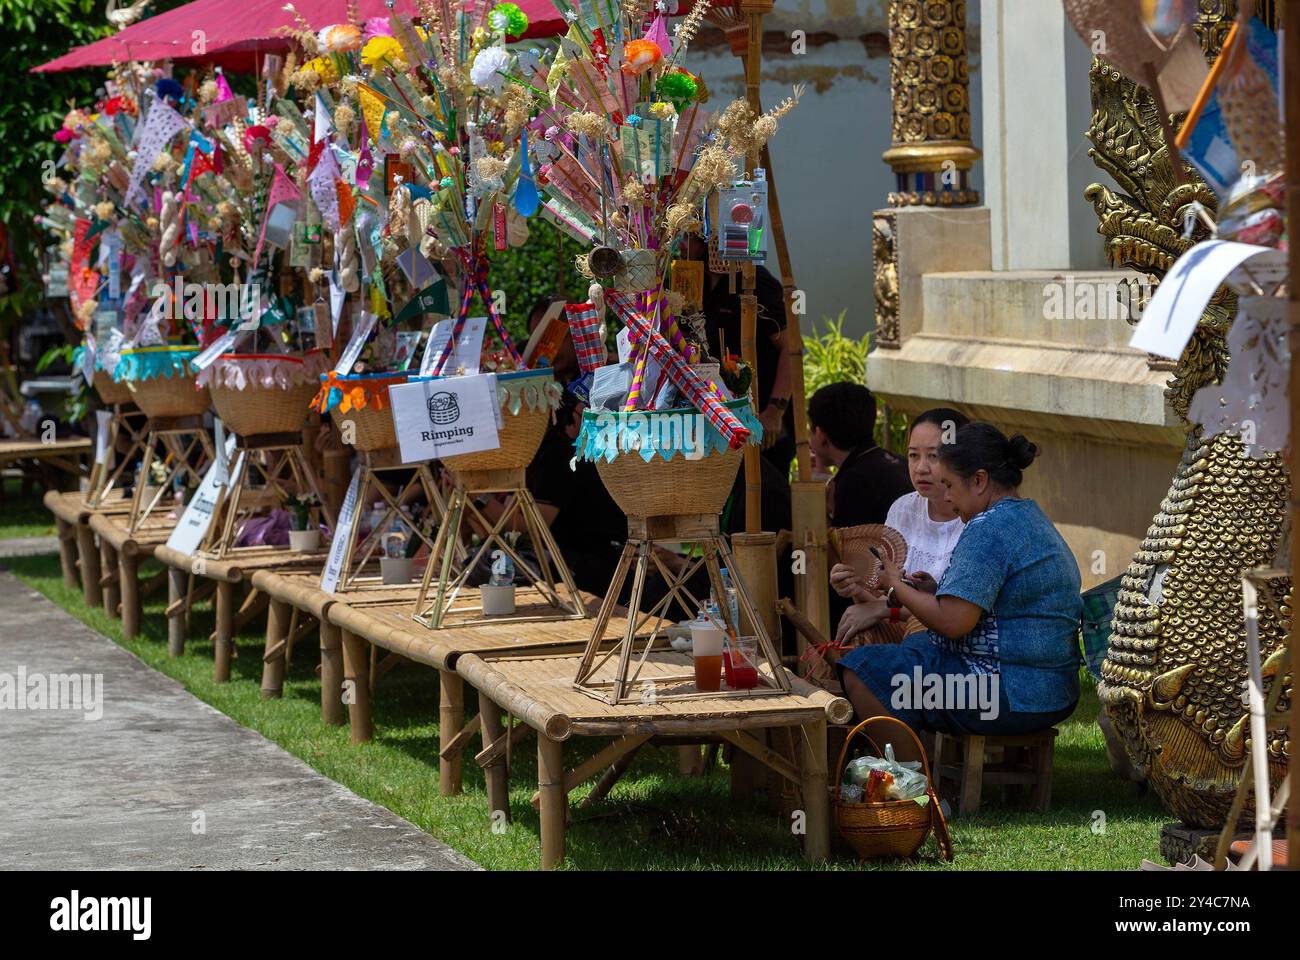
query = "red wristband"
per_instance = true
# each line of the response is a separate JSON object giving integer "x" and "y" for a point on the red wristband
{"x": 895, "y": 614}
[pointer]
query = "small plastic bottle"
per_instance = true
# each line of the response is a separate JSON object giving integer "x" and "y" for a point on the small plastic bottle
{"x": 733, "y": 599}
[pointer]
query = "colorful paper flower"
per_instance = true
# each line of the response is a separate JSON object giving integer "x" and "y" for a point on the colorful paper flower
{"x": 381, "y": 50}
{"x": 340, "y": 38}
{"x": 678, "y": 87}
{"x": 488, "y": 66}
{"x": 510, "y": 19}
{"x": 640, "y": 56}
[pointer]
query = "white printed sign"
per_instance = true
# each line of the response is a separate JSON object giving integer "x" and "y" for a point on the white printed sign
{"x": 103, "y": 420}
{"x": 465, "y": 353}
{"x": 445, "y": 417}
{"x": 1170, "y": 319}
{"x": 194, "y": 522}
{"x": 360, "y": 332}
{"x": 329, "y": 578}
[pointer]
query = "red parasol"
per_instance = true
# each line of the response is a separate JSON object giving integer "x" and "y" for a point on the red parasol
{"x": 235, "y": 40}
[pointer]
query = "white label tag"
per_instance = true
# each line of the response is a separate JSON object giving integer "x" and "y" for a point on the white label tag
{"x": 445, "y": 417}
{"x": 350, "y": 353}
{"x": 464, "y": 358}
{"x": 215, "y": 349}
{"x": 329, "y": 578}
{"x": 103, "y": 420}
{"x": 194, "y": 522}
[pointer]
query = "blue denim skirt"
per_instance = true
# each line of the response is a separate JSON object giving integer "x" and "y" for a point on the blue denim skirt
{"x": 929, "y": 687}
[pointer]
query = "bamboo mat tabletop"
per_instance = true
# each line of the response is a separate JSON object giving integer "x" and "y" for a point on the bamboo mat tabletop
{"x": 540, "y": 690}
{"x": 298, "y": 588}
{"x": 243, "y": 562}
{"x": 114, "y": 527}
{"x": 390, "y": 625}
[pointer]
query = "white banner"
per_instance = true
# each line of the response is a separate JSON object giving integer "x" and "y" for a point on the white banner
{"x": 194, "y": 522}
{"x": 445, "y": 417}
{"x": 329, "y": 578}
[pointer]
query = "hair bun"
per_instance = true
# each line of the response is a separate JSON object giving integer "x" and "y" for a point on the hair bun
{"x": 1020, "y": 451}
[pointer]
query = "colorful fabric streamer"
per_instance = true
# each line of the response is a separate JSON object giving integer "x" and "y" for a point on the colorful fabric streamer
{"x": 584, "y": 328}
{"x": 476, "y": 282}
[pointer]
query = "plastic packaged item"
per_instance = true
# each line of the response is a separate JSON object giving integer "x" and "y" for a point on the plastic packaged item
{"x": 908, "y": 782}
{"x": 742, "y": 219}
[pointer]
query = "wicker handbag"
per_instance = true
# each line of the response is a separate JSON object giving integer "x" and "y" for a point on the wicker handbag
{"x": 890, "y": 828}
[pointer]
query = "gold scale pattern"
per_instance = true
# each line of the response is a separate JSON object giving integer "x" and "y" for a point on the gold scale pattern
{"x": 1173, "y": 680}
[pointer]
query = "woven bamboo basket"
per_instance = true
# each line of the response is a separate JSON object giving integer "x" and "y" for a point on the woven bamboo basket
{"x": 170, "y": 397}
{"x": 110, "y": 392}
{"x": 892, "y": 828}
{"x": 371, "y": 426}
{"x": 261, "y": 408}
{"x": 520, "y": 434}
{"x": 670, "y": 488}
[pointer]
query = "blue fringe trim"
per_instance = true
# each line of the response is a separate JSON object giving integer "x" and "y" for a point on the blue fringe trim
{"x": 151, "y": 362}
{"x": 665, "y": 433}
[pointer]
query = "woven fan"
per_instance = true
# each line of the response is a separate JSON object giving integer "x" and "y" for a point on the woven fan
{"x": 855, "y": 543}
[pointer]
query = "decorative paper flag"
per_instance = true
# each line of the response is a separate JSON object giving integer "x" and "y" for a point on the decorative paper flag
{"x": 223, "y": 88}
{"x": 321, "y": 183}
{"x": 365, "y": 162}
{"x": 161, "y": 126}
{"x": 283, "y": 190}
{"x": 347, "y": 203}
{"x": 322, "y": 128}
{"x": 432, "y": 299}
{"x": 584, "y": 327}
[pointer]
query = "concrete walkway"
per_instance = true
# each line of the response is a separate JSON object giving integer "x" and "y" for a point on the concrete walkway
{"x": 128, "y": 790}
{"x": 28, "y": 547}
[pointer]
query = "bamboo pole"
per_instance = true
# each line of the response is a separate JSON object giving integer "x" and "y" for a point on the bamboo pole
{"x": 331, "y": 674}
{"x": 495, "y": 774}
{"x": 88, "y": 553}
{"x": 816, "y": 803}
{"x": 176, "y": 589}
{"x": 109, "y": 580}
{"x": 128, "y": 565}
{"x": 225, "y": 633}
{"x": 451, "y": 716}
{"x": 356, "y": 686}
{"x": 273, "y": 662}
{"x": 554, "y": 800}
{"x": 1291, "y": 57}
{"x": 748, "y": 301}
{"x": 67, "y": 552}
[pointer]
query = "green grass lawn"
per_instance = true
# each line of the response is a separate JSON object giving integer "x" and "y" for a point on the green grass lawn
{"x": 23, "y": 515}
{"x": 654, "y": 818}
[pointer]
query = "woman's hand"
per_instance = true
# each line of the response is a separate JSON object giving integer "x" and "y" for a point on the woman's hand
{"x": 846, "y": 582}
{"x": 891, "y": 574}
{"x": 860, "y": 618}
{"x": 923, "y": 582}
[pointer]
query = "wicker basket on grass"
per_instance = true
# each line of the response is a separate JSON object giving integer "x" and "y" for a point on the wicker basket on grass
{"x": 890, "y": 828}
{"x": 257, "y": 394}
{"x": 161, "y": 381}
{"x": 668, "y": 484}
{"x": 527, "y": 399}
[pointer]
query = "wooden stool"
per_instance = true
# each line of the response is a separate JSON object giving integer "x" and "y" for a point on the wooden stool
{"x": 1026, "y": 760}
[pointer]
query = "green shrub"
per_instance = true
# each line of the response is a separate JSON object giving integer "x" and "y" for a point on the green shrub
{"x": 834, "y": 357}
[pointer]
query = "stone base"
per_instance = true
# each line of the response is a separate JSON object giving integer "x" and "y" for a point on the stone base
{"x": 1179, "y": 843}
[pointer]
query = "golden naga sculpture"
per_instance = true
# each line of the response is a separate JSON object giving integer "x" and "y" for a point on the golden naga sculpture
{"x": 1174, "y": 679}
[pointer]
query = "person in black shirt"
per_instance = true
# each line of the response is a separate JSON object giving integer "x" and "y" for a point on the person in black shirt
{"x": 588, "y": 526}
{"x": 868, "y": 479}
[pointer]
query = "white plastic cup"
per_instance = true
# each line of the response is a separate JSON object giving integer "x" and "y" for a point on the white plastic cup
{"x": 304, "y": 541}
{"x": 706, "y": 638}
{"x": 395, "y": 570}
{"x": 498, "y": 601}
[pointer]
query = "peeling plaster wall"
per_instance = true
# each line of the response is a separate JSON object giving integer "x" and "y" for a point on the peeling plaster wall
{"x": 827, "y": 154}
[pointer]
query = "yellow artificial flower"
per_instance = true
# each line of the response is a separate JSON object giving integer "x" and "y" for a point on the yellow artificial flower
{"x": 382, "y": 50}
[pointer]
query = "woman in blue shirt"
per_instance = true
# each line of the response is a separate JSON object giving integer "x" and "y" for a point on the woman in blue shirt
{"x": 1000, "y": 652}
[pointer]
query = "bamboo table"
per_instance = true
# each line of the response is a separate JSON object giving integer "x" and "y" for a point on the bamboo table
{"x": 226, "y": 576}
{"x": 78, "y": 551}
{"x": 369, "y": 620}
{"x": 541, "y": 692}
{"x": 66, "y": 455}
{"x": 123, "y": 550}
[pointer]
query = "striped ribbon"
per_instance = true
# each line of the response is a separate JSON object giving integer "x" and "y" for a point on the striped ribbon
{"x": 476, "y": 269}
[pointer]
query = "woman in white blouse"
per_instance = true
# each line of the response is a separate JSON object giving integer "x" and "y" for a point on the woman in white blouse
{"x": 926, "y": 520}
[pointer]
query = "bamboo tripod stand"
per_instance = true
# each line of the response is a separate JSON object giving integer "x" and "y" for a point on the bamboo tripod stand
{"x": 377, "y": 468}
{"x": 258, "y": 481}
{"x": 171, "y": 441}
{"x": 445, "y": 576}
{"x": 127, "y": 423}
{"x": 639, "y": 558}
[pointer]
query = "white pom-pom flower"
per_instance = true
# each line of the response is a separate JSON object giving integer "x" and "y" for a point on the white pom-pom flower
{"x": 487, "y": 68}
